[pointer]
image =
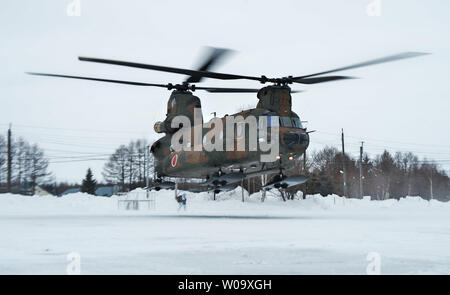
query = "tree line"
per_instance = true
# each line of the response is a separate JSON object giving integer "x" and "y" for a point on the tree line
{"x": 28, "y": 166}
{"x": 385, "y": 175}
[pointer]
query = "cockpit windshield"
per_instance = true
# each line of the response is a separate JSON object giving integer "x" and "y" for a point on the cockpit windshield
{"x": 297, "y": 123}
{"x": 285, "y": 121}
{"x": 290, "y": 122}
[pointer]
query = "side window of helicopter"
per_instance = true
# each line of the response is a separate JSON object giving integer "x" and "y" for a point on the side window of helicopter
{"x": 286, "y": 121}
{"x": 297, "y": 123}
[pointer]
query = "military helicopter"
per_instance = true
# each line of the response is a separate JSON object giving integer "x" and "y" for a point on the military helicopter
{"x": 225, "y": 169}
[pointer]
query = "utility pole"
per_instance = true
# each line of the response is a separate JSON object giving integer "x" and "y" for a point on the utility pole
{"x": 9, "y": 160}
{"x": 147, "y": 171}
{"x": 344, "y": 174}
{"x": 360, "y": 170}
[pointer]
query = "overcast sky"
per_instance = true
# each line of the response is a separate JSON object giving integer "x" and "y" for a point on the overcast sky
{"x": 398, "y": 106}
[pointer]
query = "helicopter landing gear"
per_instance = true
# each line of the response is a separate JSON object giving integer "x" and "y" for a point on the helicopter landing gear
{"x": 215, "y": 192}
{"x": 284, "y": 182}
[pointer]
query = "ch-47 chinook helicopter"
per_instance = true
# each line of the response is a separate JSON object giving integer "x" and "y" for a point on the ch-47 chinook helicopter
{"x": 225, "y": 169}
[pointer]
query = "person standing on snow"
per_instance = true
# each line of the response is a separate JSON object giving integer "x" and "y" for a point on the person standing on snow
{"x": 182, "y": 202}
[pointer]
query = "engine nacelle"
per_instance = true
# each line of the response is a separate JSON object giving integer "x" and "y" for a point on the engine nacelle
{"x": 160, "y": 127}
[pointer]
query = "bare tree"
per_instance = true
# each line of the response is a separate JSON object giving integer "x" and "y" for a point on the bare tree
{"x": 128, "y": 165}
{"x": 22, "y": 149}
{"x": 115, "y": 170}
{"x": 3, "y": 153}
{"x": 37, "y": 166}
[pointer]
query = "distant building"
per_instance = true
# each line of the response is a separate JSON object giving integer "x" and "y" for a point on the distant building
{"x": 71, "y": 191}
{"x": 107, "y": 191}
{"x": 22, "y": 189}
{"x": 27, "y": 189}
{"x": 102, "y": 191}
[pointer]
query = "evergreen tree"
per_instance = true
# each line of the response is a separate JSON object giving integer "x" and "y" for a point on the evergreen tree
{"x": 89, "y": 183}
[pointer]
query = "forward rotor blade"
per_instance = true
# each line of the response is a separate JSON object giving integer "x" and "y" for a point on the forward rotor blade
{"x": 385, "y": 59}
{"x": 233, "y": 90}
{"x": 167, "y": 86}
{"x": 205, "y": 74}
{"x": 101, "y": 80}
{"x": 213, "y": 57}
{"x": 321, "y": 79}
{"x": 227, "y": 90}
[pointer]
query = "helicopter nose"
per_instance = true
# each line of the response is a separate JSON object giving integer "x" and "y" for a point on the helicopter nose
{"x": 296, "y": 139}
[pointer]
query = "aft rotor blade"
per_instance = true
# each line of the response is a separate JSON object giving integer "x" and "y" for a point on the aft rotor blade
{"x": 205, "y": 74}
{"x": 385, "y": 59}
{"x": 213, "y": 57}
{"x": 321, "y": 79}
{"x": 100, "y": 80}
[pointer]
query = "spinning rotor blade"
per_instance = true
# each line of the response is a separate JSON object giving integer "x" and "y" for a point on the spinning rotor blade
{"x": 194, "y": 73}
{"x": 227, "y": 90}
{"x": 214, "y": 56}
{"x": 385, "y": 59}
{"x": 322, "y": 79}
{"x": 101, "y": 80}
{"x": 167, "y": 86}
{"x": 234, "y": 90}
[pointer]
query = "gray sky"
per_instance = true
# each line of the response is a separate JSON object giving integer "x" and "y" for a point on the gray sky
{"x": 399, "y": 106}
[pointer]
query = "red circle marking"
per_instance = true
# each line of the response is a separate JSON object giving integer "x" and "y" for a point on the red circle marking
{"x": 174, "y": 160}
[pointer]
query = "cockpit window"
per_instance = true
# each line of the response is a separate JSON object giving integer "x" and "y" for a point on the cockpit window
{"x": 297, "y": 123}
{"x": 291, "y": 122}
{"x": 285, "y": 121}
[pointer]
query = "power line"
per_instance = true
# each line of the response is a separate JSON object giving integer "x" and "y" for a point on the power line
{"x": 82, "y": 160}
{"x": 74, "y": 129}
{"x": 389, "y": 141}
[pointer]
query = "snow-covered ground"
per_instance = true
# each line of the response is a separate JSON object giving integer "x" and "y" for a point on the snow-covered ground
{"x": 318, "y": 235}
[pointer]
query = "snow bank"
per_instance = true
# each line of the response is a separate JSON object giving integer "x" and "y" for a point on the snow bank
{"x": 226, "y": 203}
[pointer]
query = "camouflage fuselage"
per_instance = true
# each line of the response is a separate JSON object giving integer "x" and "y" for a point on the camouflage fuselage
{"x": 293, "y": 141}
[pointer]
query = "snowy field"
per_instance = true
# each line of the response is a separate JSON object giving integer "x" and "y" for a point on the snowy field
{"x": 318, "y": 235}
